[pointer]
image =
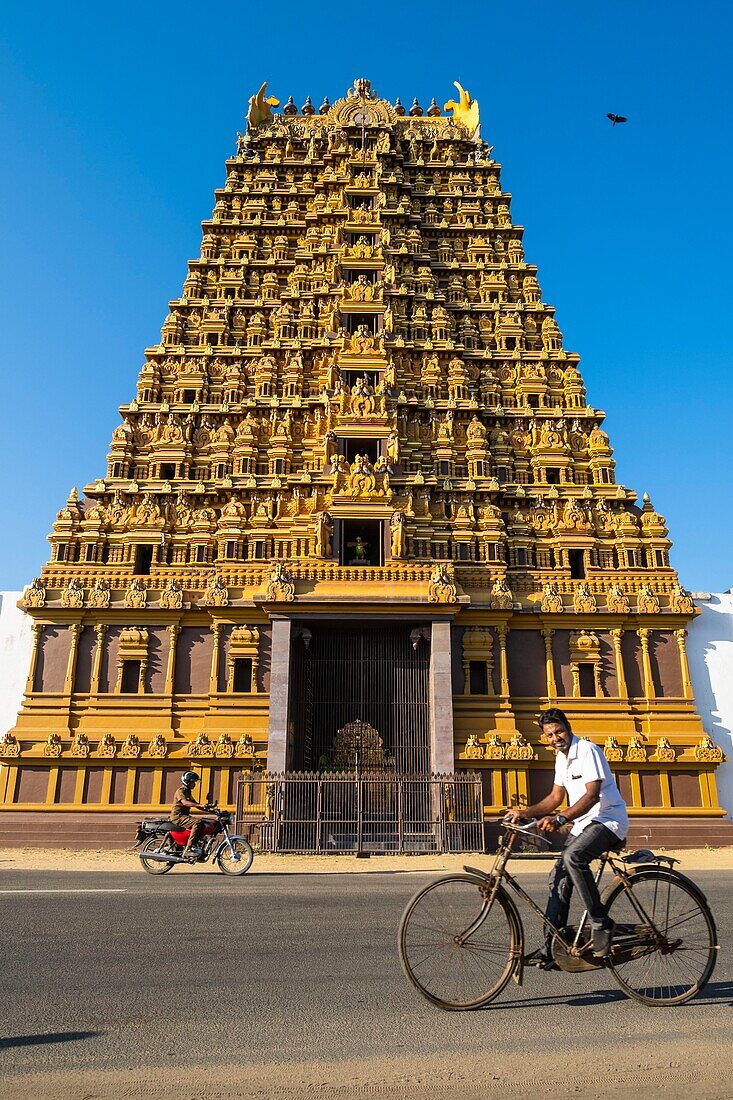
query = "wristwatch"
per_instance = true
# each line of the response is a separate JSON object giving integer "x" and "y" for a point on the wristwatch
{"x": 560, "y": 819}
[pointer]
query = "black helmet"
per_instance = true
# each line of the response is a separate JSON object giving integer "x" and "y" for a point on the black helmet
{"x": 189, "y": 778}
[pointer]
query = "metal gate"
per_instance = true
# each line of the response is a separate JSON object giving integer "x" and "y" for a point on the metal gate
{"x": 363, "y": 812}
{"x": 374, "y": 673}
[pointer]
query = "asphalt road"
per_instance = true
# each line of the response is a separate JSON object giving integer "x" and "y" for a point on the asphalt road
{"x": 198, "y": 986}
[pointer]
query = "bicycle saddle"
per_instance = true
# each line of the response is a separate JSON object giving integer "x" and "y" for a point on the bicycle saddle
{"x": 641, "y": 855}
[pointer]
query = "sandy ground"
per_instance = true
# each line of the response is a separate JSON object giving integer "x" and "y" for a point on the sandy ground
{"x": 55, "y": 859}
{"x": 643, "y": 1069}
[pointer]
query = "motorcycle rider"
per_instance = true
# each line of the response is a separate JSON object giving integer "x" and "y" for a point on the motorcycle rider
{"x": 181, "y": 815}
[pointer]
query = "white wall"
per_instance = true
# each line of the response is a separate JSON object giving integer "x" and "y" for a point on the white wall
{"x": 15, "y": 655}
{"x": 710, "y": 652}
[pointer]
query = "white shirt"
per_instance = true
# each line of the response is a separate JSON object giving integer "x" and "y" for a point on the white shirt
{"x": 583, "y": 764}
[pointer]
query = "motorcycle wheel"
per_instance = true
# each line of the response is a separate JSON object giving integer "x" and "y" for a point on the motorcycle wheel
{"x": 155, "y": 844}
{"x": 238, "y": 863}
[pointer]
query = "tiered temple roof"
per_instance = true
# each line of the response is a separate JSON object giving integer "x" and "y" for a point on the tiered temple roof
{"x": 362, "y": 335}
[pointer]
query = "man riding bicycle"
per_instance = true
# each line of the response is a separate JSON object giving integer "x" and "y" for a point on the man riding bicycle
{"x": 599, "y": 823}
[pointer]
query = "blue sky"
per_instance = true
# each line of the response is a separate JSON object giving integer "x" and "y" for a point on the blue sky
{"x": 115, "y": 122}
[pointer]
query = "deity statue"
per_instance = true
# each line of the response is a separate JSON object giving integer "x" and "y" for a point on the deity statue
{"x": 397, "y": 533}
{"x": 361, "y": 402}
{"x": 617, "y": 601}
{"x": 551, "y": 599}
{"x": 324, "y": 546}
{"x": 501, "y": 595}
{"x": 362, "y": 341}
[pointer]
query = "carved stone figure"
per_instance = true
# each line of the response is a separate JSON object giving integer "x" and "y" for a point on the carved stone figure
{"x": 99, "y": 595}
{"x": 519, "y": 748}
{"x": 647, "y": 601}
{"x": 501, "y": 596}
{"x": 707, "y": 750}
{"x": 681, "y": 601}
{"x": 441, "y": 587}
{"x": 80, "y": 745}
{"x": 9, "y": 746}
{"x": 635, "y": 751}
{"x": 137, "y": 594}
{"x": 280, "y": 587}
{"x": 35, "y": 594}
{"x": 158, "y": 747}
{"x": 551, "y": 599}
{"x": 201, "y": 747}
{"x": 107, "y": 745}
{"x": 130, "y": 747}
{"x": 474, "y": 749}
{"x": 617, "y": 601}
{"x": 397, "y": 532}
{"x": 216, "y": 594}
{"x": 324, "y": 528}
{"x": 73, "y": 594}
{"x": 171, "y": 597}
{"x": 583, "y": 600}
{"x": 612, "y": 750}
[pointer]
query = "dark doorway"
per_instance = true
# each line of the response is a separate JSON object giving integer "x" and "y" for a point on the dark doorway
{"x": 143, "y": 559}
{"x": 343, "y": 673}
{"x": 587, "y": 680}
{"x": 242, "y": 674}
{"x": 576, "y": 559}
{"x": 351, "y": 446}
{"x": 130, "y": 684}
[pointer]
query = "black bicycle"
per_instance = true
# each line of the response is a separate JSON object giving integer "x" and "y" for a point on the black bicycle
{"x": 461, "y": 938}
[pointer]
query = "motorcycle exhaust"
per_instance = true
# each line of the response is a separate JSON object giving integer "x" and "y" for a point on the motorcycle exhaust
{"x": 163, "y": 857}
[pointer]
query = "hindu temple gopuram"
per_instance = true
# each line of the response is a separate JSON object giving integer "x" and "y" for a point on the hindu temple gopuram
{"x": 359, "y": 502}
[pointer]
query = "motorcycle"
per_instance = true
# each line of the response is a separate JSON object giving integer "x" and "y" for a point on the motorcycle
{"x": 161, "y": 844}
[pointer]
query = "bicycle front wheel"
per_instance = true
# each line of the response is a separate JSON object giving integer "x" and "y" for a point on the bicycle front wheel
{"x": 456, "y": 951}
{"x": 665, "y": 944}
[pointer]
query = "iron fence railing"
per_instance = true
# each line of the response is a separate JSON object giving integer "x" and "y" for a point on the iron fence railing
{"x": 362, "y": 811}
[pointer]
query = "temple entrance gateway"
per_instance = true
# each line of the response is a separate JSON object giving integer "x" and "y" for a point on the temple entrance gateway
{"x": 376, "y": 674}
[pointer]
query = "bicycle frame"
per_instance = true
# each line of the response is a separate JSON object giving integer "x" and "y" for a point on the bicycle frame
{"x": 499, "y": 874}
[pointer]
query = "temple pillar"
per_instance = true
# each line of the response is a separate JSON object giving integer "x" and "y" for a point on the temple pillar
{"x": 502, "y": 630}
{"x": 277, "y": 734}
{"x": 549, "y": 665}
{"x": 37, "y": 629}
{"x": 170, "y": 668}
{"x": 687, "y": 692}
{"x": 643, "y": 633}
{"x": 100, "y": 631}
{"x": 616, "y": 636}
{"x": 214, "y": 675}
{"x": 75, "y": 630}
{"x": 442, "y": 755}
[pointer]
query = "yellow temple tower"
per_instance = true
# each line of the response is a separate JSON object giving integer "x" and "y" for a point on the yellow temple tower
{"x": 359, "y": 481}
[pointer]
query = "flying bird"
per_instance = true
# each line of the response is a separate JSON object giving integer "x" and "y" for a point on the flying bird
{"x": 616, "y": 118}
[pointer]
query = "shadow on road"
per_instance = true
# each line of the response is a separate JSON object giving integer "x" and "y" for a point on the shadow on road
{"x": 714, "y": 993}
{"x": 47, "y": 1037}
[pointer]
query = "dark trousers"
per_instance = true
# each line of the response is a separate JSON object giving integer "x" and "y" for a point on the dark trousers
{"x": 572, "y": 869}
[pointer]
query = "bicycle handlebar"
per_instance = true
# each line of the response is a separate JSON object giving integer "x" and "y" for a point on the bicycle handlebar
{"x": 527, "y": 829}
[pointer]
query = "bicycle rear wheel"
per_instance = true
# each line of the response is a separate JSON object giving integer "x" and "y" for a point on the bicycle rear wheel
{"x": 454, "y": 949}
{"x": 667, "y": 959}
